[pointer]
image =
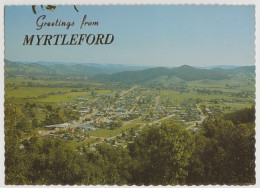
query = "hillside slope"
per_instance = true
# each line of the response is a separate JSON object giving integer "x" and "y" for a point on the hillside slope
{"x": 185, "y": 72}
{"x": 98, "y": 74}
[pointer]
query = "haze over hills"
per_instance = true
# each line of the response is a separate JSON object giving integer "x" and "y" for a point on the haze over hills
{"x": 118, "y": 73}
{"x": 120, "y": 67}
{"x": 107, "y": 67}
{"x": 59, "y": 68}
{"x": 185, "y": 73}
{"x": 219, "y": 66}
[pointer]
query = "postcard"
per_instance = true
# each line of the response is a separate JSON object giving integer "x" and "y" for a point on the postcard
{"x": 133, "y": 94}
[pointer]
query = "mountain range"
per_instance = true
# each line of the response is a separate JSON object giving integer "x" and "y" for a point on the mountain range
{"x": 124, "y": 73}
{"x": 185, "y": 73}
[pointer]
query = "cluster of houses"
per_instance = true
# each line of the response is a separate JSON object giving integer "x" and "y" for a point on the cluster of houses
{"x": 216, "y": 109}
{"x": 68, "y": 132}
{"x": 185, "y": 112}
{"x": 86, "y": 128}
{"x": 64, "y": 126}
{"x": 126, "y": 137}
{"x": 59, "y": 126}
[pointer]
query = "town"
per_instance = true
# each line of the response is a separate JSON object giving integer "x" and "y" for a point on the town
{"x": 123, "y": 118}
{"x": 130, "y": 111}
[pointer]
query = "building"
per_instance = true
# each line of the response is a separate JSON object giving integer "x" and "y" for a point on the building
{"x": 59, "y": 126}
{"x": 82, "y": 99}
{"x": 86, "y": 127}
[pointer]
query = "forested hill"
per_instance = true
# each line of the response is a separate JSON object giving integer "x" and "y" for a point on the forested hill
{"x": 185, "y": 72}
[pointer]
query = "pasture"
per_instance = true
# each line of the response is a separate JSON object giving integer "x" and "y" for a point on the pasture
{"x": 105, "y": 133}
{"x": 51, "y": 95}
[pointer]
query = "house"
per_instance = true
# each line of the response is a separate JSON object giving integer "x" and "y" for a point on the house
{"x": 83, "y": 107}
{"x": 82, "y": 99}
{"x": 59, "y": 126}
{"x": 123, "y": 110}
{"x": 84, "y": 111}
{"x": 86, "y": 127}
{"x": 111, "y": 95}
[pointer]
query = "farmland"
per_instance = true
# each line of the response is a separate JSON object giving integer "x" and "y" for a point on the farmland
{"x": 89, "y": 116}
{"x": 133, "y": 105}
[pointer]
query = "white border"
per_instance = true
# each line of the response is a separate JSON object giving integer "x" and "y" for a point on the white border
{"x": 126, "y": 2}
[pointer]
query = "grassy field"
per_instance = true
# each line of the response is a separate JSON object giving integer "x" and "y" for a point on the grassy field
{"x": 46, "y": 95}
{"x": 105, "y": 133}
{"x": 68, "y": 97}
{"x": 176, "y": 95}
{"x": 20, "y": 80}
{"x": 232, "y": 105}
{"x": 245, "y": 85}
{"x": 58, "y": 94}
{"x": 28, "y": 92}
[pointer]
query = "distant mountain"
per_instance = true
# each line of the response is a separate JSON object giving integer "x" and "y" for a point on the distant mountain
{"x": 185, "y": 72}
{"x": 34, "y": 69}
{"x": 60, "y": 69}
{"x": 219, "y": 66}
{"x": 117, "y": 73}
{"x": 244, "y": 69}
{"x": 109, "y": 67}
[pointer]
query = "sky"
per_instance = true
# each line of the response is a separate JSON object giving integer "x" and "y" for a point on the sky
{"x": 165, "y": 35}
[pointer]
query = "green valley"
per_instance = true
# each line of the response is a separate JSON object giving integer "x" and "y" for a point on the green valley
{"x": 72, "y": 124}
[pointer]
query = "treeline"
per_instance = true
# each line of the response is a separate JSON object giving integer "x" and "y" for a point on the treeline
{"x": 219, "y": 92}
{"x": 241, "y": 116}
{"x": 221, "y": 152}
{"x": 23, "y": 119}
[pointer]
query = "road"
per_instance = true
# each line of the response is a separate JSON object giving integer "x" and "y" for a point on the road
{"x": 128, "y": 122}
{"x": 153, "y": 105}
{"x": 136, "y": 101}
{"x": 127, "y": 91}
{"x": 202, "y": 118}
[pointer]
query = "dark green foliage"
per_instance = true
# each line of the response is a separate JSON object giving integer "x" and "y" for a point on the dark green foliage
{"x": 118, "y": 162}
{"x": 221, "y": 152}
{"x": 115, "y": 124}
{"x": 161, "y": 154}
{"x": 24, "y": 125}
{"x": 52, "y": 161}
{"x": 242, "y": 116}
{"x": 224, "y": 154}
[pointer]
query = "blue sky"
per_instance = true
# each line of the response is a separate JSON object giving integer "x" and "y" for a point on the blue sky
{"x": 144, "y": 35}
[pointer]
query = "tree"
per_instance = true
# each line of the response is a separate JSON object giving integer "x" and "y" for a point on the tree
{"x": 24, "y": 125}
{"x": 35, "y": 122}
{"x": 49, "y": 107}
{"x": 117, "y": 163}
{"x": 161, "y": 154}
{"x": 225, "y": 154}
